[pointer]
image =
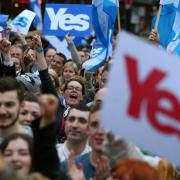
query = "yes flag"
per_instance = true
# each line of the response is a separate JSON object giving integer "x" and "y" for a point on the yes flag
{"x": 60, "y": 44}
{"x": 60, "y": 19}
{"x": 23, "y": 21}
{"x": 104, "y": 16}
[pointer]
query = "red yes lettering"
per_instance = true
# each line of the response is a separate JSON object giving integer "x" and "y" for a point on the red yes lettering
{"x": 147, "y": 92}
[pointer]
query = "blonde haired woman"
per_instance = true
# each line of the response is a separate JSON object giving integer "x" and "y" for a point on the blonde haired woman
{"x": 55, "y": 80}
{"x": 70, "y": 70}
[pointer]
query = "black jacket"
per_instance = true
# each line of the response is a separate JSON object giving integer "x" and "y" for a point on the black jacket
{"x": 48, "y": 88}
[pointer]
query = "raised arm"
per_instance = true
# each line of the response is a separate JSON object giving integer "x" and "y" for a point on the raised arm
{"x": 7, "y": 66}
{"x": 45, "y": 158}
{"x": 47, "y": 85}
{"x": 74, "y": 53}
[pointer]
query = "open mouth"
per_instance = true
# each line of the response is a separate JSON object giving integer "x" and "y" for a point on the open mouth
{"x": 73, "y": 97}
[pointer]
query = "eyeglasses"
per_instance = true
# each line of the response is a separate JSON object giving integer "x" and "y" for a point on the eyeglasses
{"x": 76, "y": 88}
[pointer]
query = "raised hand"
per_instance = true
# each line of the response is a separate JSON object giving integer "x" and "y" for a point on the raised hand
{"x": 36, "y": 42}
{"x": 8, "y": 30}
{"x": 5, "y": 46}
{"x": 74, "y": 171}
{"x": 102, "y": 168}
{"x": 68, "y": 38}
{"x": 48, "y": 104}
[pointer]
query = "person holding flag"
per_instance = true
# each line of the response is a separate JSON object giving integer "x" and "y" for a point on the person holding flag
{"x": 104, "y": 17}
{"x": 168, "y": 17}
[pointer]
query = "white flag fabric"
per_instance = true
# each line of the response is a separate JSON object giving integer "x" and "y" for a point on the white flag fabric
{"x": 23, "y": 21}
{"x": 166, "y": 2}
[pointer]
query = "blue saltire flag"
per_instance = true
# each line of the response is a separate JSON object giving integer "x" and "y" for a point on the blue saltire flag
{"x": 3, "y": 21}
{"x": 60, "y": 44}
{"x": 23, "y": 21}
{"x": 169, "y": 26}
{"x": 177, "y": 49}
{"x": 36, "y": 7}
{"x": 104, "y": 16}
{"x": 165, "y": 24}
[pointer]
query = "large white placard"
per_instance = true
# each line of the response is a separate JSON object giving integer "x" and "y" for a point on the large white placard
{"x": 23, "y": 21}
{"x": 142, "y": 103}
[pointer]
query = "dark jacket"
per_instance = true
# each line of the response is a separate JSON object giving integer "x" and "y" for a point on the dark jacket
{"x": 45, "y": 159}
{"x": 6, "y": 70}
{"x": 48, "y": 88}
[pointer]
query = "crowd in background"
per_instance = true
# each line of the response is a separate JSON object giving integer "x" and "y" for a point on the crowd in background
{"x": 50, "y": 118}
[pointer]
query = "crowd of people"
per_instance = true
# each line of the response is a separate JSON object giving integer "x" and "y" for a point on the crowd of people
{"x": 50, "y": 118}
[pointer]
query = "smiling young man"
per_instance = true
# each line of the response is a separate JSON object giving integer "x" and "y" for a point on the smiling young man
{"x": 77, "y": 131}
{"x": 11, "y": 97}
{"x": 96, "y": 140}
{"x": 94, "y": 158}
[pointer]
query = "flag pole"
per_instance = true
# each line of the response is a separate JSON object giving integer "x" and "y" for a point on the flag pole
{"x": 118, "y": 19}
{"x": 158, "y": 17}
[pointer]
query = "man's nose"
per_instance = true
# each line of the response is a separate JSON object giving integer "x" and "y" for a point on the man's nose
{"x": 29, "y": 117}
{"x": 2, "y": 109}
{"x": 75, "y": 123}
{"x": 100, "y": 131}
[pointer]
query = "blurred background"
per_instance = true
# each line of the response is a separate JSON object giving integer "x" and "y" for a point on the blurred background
{"x": 135, "y": 15}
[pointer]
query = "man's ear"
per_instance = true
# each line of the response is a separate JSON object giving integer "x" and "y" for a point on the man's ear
{"x": 22, "y": 104}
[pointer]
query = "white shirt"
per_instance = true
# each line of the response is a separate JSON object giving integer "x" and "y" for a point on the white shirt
{"x": 63, "y": 151}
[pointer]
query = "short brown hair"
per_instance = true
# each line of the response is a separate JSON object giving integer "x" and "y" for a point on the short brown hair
{"x": 10, "y": 84}
{"x": 79, "y": 79}
{"x": 16, "y": 136}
